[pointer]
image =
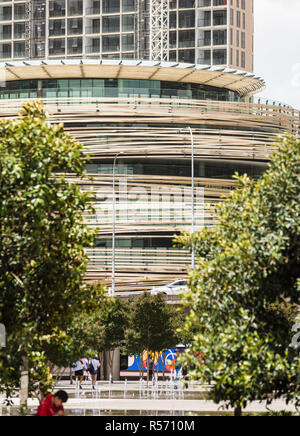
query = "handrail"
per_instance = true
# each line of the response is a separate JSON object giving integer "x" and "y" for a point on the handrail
{"x": 238, "y": 107}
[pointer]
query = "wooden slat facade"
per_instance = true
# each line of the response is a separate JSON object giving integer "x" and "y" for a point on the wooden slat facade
{"x": 144, "y": 128}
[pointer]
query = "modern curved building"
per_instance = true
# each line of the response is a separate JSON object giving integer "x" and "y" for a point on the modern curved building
{"x": 148, "y": 120}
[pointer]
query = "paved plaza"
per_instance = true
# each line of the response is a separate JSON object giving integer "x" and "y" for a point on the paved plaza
{"x": 138, "y": 399}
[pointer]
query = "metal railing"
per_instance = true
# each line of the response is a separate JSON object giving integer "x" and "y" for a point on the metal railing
{"x": 260, "y": 106}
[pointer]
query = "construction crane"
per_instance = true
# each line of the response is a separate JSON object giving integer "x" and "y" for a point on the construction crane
{"x": 159, "y": 30}
{"x": 28, "y": 28}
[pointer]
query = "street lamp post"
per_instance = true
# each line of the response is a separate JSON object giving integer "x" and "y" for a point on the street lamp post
{"x": 113, "y": 273}
{"x": 193, "y": 191}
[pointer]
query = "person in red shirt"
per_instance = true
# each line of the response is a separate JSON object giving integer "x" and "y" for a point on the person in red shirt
{"x": 53, "y": 405}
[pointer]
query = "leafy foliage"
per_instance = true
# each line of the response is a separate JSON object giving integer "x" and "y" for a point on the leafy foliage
{"x": 42, "y": 240}
{"x": 244, "y": 287}
{"x": 152, "y": 325}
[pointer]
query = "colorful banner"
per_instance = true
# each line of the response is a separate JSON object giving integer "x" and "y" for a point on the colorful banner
{"x": 167, "y": 358}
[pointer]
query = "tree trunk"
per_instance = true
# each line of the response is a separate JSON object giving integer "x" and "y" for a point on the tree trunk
{"x": 163, "y": 365}
{"x": 147, "y": 366}
{"x": 101, "y": 356}
{"x": 238, "y": 411}
{"x": 140, "y": 363}
{"x": 110, "y": 363}
{"x": 24, "y": 384}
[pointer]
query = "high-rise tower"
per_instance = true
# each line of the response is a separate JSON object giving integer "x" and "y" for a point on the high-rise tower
{"x": 210, "y": 32}
{"x": 143, "y": 85}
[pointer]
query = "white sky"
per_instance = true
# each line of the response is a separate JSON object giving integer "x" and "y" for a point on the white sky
{"x": 277, "y": 48}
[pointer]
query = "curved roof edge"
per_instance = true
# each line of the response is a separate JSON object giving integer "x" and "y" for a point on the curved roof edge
{"x": 245, "y": 84}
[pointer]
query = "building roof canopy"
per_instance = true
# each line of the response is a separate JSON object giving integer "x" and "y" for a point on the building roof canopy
{"x": 245, "y": 84}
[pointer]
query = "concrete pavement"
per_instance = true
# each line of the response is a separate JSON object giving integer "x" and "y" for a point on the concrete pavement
{"x": 117, "y": 401}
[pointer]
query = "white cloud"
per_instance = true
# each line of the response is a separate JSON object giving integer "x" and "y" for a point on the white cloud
{"x": 277, "y": 48}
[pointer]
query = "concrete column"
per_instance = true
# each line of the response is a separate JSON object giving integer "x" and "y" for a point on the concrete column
{"x": 24, "y": 383}
{"x": 115, "y": 366}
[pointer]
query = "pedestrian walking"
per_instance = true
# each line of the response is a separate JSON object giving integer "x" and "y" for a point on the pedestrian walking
{"x": 94, "y": 365}
{"x": 78, "y": 369}
{"x": 53, "y": 405}
{"x": 151, "y": 366}
{"x": 85, "y": 363}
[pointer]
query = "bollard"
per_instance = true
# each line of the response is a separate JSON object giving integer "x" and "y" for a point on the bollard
{"x": 109, "y": 386}
{"x": 125, "y": 387}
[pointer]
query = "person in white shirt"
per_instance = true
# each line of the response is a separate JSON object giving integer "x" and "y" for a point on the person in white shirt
{"x": 78, "y": 368}
{"x": 94, "y": 365}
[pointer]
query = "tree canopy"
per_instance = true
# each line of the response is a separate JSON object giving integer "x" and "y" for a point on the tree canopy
{"x": 152, "y": 325}
{"x": 42, "y": 241}
{"x": 245, "y": 287}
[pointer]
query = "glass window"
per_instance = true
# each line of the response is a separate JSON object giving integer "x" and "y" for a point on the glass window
{"x": 220, "y": 57}
{"x": 75, "y": 26}
{"x": 56, "y": 27}
{"x": 238, "y": 19}
{"x": 173, "y": 39}
{"x": 220, "y": 37}
{"x": 173, "y": 20}
{"x": 243, "y": 59}
{"x": 127, "y": 23}
{"x": 57, "y": 8}
{"x": 128, "y": 5}
{"x": 111, "y": 24}
{"x": 19, "y": 30}
{"x": 186, "y": 38}
{"x": 75, "y": 7}
{"x": 128, "y": 42}
{"x": 56, "y": 46}
{"x": 19, "y": 11}
{"x": 183, "y": 4}
{"x": 186, "y": 56}
{"x": 110, "y": 6}
{"x": 39, "y": 10}
{"x": 220, "y": 18}
{"x": 6, "y": 31}
{"x": 187, "y": 19}
{"x": 6, "y": 13}
{"x": 116, "y": 87}
{"x": 93, "y": 8}
{"x": 111, "y": 43}
{"x": 74, "y": 45}
{"x": 19, "y": 49}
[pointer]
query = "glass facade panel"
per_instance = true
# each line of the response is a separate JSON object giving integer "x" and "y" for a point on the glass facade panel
{"x": 128, "y": 5}
{"x": 115, "y": 87}
{"x": 57, "y": 8}
{"x": 218, "y": 169}
{"x": 127, "y": 23}
{"x": 128, "y": 42}
{"x": 75, "y": 7}
{"x": 111, "y": 43}
{"x": 110, "y": 6}
{"x": 111, "y": 24}
{"x": 75, "y": 26}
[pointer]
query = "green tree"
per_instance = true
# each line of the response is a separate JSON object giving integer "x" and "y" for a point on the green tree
{"x": 152, "y": 326}
{"x": 110, "y": 320}
{"x": 101, "y": 330}
{"x": 42, "y": 240}
{"x": 244, "y": 287}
